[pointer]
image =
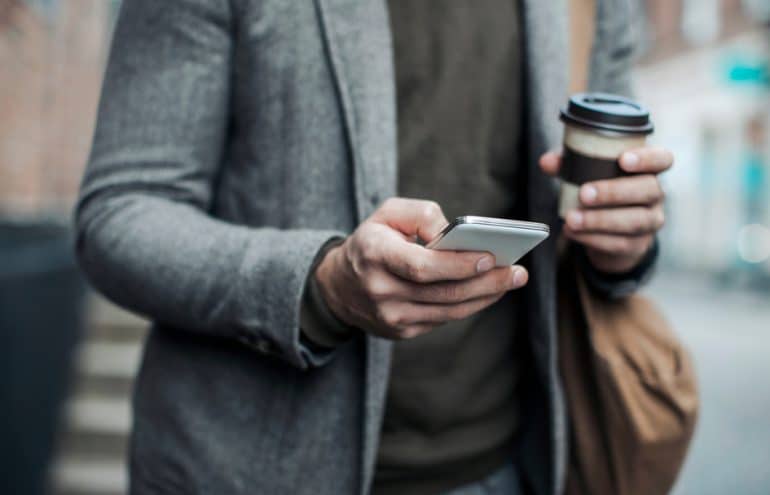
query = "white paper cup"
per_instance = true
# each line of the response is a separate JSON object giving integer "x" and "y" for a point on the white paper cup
{"x": 598, "y": 129}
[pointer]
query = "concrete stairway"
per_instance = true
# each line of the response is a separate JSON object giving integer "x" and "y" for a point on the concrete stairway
{"x": 94, "y": 438}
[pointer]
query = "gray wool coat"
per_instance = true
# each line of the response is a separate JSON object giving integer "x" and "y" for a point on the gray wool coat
{"x": 235, "y": 138}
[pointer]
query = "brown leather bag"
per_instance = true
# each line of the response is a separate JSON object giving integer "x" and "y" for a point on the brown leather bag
{"x": 631, "y": 392}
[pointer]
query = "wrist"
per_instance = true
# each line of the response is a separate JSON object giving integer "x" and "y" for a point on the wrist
{"x": 612, "y": 263}
{"x": 325, "y": 273}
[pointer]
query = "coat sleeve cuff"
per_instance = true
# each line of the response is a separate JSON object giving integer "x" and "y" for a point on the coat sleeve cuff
{"x": 274, "y": 319}
{"x": 616, "y": 285}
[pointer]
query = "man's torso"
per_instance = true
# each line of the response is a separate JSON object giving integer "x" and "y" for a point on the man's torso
{"x": 312, "y": 145}
{"x": 451, "y": 411}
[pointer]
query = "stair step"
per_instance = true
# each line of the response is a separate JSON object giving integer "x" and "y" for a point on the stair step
{"x": 92, "y": 445}
{"x": 99, "y": 414}
{"x": 102, "y": 386}
{"x": 74, "y": 443}
{"x": 89, "y": 476}
{"x": 102, "y": 311}
{"x": 109, "y": 359}
{"x": 111, "y": 332}
{"x": 112, "y": 323}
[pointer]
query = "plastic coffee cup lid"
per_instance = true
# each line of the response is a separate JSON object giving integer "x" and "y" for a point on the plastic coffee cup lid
{"x": 607, "y": 112}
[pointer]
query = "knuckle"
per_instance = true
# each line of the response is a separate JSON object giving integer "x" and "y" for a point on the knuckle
{"x": 408, "y": 332}
{"x": 400, "y": 334}
{"x": 353, "y": 257}
{"x": 504, "y": 282}
{"x": 613, "y": 192}
{"x": 366, "y": 255}
{"x": 392, "y": 319}
{"x": 643, "y": 244}
{"x": 377, "y": 287}
{"x": 654, "y": 219}
{"x": 415, "y": 270}
{"x": 592, "y": 220}
{"x": 432, "y": 207}
{"x": 455, "y": 313}
{"x": 652, "y": 188}
{"x": 349, "y": 249}
{"x": 623, "y": 244}
{"x": 637, "y": 245}
{"x": 389, "y": 203}
{"x": 367, "y": 249}
{"x": 628, "y": 222}
{"x": 643, "y": 221}
{"x": 430, "y": 211}
{"x": 464, "y": 263}
{"x": 452, "y": 292}
{"x": 389, "y": 317}
{"x": 379, "y": 313}
{"x": 651, "y": 222}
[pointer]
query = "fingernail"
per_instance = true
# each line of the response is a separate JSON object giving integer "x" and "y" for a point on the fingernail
{"x": 588, "y": 194}
{"x": 519, "y": 278}
{"x": 485, "y": 264}
{"x": 575, "y": 219}
{"x": 630, "y": 160}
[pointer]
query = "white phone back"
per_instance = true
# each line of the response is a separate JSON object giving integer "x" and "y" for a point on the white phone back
{"x": 508, "y": 244}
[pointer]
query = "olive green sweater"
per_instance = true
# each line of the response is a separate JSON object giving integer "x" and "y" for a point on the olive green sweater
{"x": 451, "y": 412}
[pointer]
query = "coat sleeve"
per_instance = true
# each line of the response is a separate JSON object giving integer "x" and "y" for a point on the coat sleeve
{"x": 616, "y": 285}
{"x": 615, "y": 47}
{"x": 145, "y": 237}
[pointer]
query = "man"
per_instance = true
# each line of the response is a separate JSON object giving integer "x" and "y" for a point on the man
{"x": 246, "y": 192}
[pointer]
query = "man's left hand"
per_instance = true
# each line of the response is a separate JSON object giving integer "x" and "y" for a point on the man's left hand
{"x": 618, "y": 218}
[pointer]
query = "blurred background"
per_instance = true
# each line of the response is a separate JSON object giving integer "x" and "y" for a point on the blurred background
{"x": 67, "y": 357}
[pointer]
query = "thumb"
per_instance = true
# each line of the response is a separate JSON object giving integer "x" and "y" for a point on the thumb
{"x": 412, "y": 217}
{"x": 550, "y": 163}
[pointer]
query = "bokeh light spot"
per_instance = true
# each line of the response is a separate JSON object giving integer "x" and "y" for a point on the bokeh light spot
{"x": 754, "y": 243}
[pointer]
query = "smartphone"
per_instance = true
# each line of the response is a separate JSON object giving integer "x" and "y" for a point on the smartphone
{"x": 508, "y": 240}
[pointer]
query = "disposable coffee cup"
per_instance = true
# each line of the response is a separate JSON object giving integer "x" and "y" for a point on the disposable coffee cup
{"x": 598, "y": 129}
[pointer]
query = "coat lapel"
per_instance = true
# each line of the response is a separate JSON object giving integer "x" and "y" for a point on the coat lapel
{"x": 545, "y": 28}
{"x": 547, "y": 65}
{"x": 358, "y": 43}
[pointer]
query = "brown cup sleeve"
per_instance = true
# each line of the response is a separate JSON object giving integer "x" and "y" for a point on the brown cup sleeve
{"x": 578, "y": 168}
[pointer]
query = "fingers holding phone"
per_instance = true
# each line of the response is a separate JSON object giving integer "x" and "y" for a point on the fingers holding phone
{"x": 383, "y": 282}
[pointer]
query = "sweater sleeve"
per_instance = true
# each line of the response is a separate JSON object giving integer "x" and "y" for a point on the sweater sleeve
{"x": 616, "y": 285}
{"x": 319, "y": 326}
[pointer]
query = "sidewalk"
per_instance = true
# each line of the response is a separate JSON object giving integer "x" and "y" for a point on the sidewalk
{"x": 728, "y": 333}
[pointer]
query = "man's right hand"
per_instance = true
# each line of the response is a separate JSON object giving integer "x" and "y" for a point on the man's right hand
{"x": 381, "y": 281}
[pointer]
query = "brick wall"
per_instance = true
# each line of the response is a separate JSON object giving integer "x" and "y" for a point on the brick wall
{"x": 664, "y": 26}
{"x": 49, "y": 87}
